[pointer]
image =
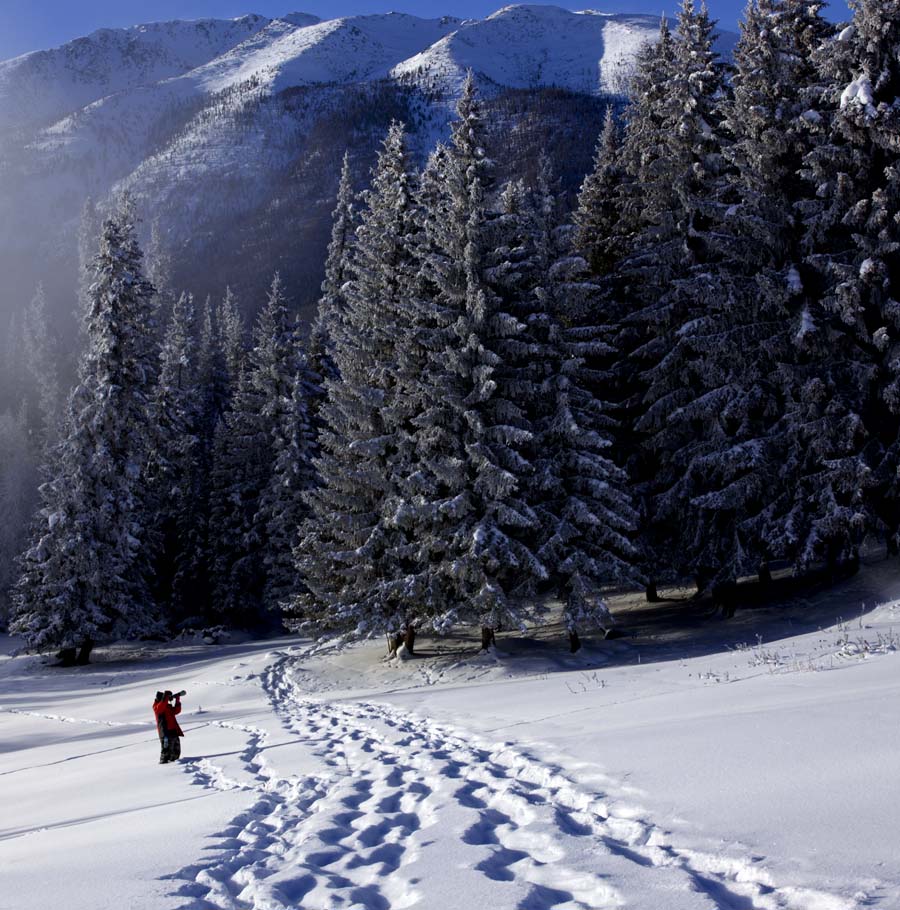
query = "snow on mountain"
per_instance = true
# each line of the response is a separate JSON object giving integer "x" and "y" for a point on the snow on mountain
{"x": 177, "y": 111}
{"x": 40, "y": 87}
{"x": 523, "y": 46}
{"x": 349, "y": 49}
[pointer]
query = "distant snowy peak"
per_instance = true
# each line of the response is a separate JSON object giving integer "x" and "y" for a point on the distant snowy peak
{"x": 43, "y": 86}
{"x": 524, "y": 45}
{"x": 285, "y": 54}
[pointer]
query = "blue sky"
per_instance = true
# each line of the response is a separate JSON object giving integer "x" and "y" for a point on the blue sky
{"x": 27, "y": 25}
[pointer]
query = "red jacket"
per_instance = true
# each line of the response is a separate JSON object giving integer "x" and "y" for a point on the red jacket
{"x": 165, "y": 716}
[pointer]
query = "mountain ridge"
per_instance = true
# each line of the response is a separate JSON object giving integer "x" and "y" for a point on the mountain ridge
{"x": 212, "y": 124}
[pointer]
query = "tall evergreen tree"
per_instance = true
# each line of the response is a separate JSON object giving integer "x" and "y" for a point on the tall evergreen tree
{"x": 177, "y": 471}
{"x": 849, "y": 411}
{"x": 738, "y": 493}
{"x": 471, "y": 520}
{"x": 581, "y": 495}
{"x": 673, "y": 156}
{"x": 349, "y": 553}
{"x": 41, "y": 363}
{"x": 327, "y": 325}
{"x": 85, "y": 574}
{"x": 243, "y": 460}
{"x": 598, "y": 235}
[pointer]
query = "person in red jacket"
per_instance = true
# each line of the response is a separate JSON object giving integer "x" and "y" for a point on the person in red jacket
{"x": 167, "y": 725}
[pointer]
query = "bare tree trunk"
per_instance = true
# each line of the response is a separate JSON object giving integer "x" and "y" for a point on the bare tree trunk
{"x": 487, "y": 638}
{"x": 725, "y": 596}
{"x": 574, "y": 641}
{"x": 651, "y": 593}
{"x": 409, "y": 639}
{"x": 84, "y": 653}
{"x": 764, "y": 574}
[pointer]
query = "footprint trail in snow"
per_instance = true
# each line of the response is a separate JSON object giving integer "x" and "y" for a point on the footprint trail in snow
{"x": 412, "y": 813}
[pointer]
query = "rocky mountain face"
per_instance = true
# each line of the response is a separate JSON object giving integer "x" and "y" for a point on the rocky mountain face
{"x": 229, "y": 133}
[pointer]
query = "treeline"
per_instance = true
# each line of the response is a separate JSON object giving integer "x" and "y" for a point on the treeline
{"x": 500, "y": 406}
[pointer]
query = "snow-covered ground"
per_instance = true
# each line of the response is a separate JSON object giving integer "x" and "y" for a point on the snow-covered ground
{"x": 742, "y": 764}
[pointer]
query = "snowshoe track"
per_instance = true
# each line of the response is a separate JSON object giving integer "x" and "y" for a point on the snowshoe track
{"x": 510, "y": 831}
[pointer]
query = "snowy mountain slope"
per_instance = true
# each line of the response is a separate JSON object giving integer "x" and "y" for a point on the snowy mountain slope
{"x": 41, "y": 87}
{"x": 636, "y": 774}
{"x": 349, "y": 49}
{"x": 189, "y": 117}
{"x": 527, "y": 45}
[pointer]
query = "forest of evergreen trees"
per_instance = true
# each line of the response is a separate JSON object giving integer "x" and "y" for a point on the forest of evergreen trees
{"x": 504, "y": 404}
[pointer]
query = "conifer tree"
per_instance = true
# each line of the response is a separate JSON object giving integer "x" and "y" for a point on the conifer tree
{"x": 348, "y": 553}
{"x": 283, "y": 510}
{"x": 598, "y": 235}
{"x": 673, "y": 154}
{"x": 471, "y": 520}
{"x": 738, "y": 493}
{"x": 581, "y": 495}
{"x": 177, "y": 471}
{"x": 85, "y": 574}
{"x": 326, "y": 326}
{"x": 243, "y": 460}
{"x": 848, "y": 414}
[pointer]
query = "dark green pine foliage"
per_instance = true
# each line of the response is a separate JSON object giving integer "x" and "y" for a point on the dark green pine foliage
{"x": 327, "y": 325}
{"x": 85, "y": 575}
{"x": 738, "y": 493}
{"x": 673, "y": 154}
{"x": 177, "y": 473}
{"x": 598, "y": 230}
{"x": 243, "y": 461}
{"x": 470, "y": 516}
{"x": 349, "y": 553}
{"x": 581, "y": 495}
{"x": 849, "y": 412}
{"x": 283, "y": 510}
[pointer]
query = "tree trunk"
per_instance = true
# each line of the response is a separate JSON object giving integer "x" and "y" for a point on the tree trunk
{"x": 67, "y": 657}
{"x": 652, "y": 593}
{"x": 574, "y": 641}
{"x": 409, "y": 639}
{"x": 764, "y": 574}
{"x": 893, "y": 549}
{"x": 487, "y": 638}
{"x": 84, "y": 653}
{"x": 725, "y": 597}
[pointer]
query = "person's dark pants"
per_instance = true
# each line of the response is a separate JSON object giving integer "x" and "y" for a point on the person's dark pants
{"x": 171, "y": 747}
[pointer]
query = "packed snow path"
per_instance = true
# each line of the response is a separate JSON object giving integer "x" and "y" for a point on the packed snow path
{"x": 412, "y": 813}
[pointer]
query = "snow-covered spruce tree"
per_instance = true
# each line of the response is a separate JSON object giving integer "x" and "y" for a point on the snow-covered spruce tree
{"x": 470, "y": 517}
{"x": 673, "y": 153}
{"x": 848, "y": 415}
{"x": 18, "y": 486}
{"x": 581, "y": 495}
{"x": 598, "y": 234}
{"x": 349, "y": 553}
{"x": 43, "y": 372}
{"x": 84, "y": 575}
{"x": 283, "y": 510}
{"x": 176, "y": 474}
{"x": 328, "y": 322}
{"x": 231, "y": 331}
{"x": 738, "y": 491}
{"x": 243, "y": 459}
